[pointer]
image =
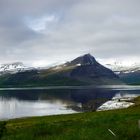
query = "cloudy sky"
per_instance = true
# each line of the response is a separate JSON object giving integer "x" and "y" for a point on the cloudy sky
{"x": 41, "y": 32}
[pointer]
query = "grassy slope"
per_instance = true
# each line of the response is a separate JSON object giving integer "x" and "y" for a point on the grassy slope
{"x": 84, "y": 126}
{"x": 49, "y": 78}
{"x": 33, "y": 78}
{"x": 52, "y": 77}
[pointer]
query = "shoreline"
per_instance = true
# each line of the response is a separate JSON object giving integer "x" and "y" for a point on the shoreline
{"x": 78, "y": 126}
{"x": 111, "y": 105}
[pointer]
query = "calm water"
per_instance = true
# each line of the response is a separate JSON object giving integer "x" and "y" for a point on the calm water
{"x": 37, "y": 102}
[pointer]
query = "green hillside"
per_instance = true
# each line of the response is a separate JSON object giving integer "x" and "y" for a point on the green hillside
{"x": 33, "y": 78}
{"x": 83, "y": 70}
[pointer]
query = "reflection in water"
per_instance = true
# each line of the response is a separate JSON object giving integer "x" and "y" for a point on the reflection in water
{"x": 23, "y": 103}
{"x": 14, "y": 108}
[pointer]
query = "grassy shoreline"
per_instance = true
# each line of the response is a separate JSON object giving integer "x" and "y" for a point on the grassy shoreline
{"x": 86, "y": 126}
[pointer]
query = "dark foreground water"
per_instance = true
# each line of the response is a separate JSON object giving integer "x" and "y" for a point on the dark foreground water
{"x": 15, "y": 103}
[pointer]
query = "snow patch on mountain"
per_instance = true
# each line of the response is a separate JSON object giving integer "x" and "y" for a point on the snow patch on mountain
{"x": 123, "y": 67}
{"x": 13, "y": 68}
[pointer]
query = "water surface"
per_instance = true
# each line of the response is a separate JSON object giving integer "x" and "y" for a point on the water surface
{"x": 16, "y": 103}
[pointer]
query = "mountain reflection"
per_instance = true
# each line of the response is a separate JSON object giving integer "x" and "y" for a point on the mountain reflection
{"x": 21, "y": 103}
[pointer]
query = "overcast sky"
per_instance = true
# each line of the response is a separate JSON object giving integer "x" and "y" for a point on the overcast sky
{"x": 41, "y": 32}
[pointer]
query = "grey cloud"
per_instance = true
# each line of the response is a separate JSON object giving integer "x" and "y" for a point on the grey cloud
{"x": 107, "y": 29}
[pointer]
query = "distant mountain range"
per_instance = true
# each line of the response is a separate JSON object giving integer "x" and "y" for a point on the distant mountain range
{"x": 84, "y": 70}
{"x": 13, "y": 68}
{"x": 130, "y": 74}
{"x": 119, "y": 67}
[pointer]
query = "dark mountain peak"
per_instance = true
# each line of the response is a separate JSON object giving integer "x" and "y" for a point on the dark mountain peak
{"x": 86, "y": 59}
{"x": 87, "y": 55}
{"x": 87, "y": 67}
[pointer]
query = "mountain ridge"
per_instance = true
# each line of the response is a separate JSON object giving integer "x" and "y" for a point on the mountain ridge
{"x": 130, "y": 74}
{"x": 83, "y": 70}
{"x": 14, "y": 67}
